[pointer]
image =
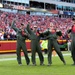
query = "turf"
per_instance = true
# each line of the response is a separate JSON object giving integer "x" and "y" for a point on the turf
{"x": 10, "y": 67}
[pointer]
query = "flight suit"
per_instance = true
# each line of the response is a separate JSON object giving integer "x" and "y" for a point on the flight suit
{"x": 35, "y": 46}
{"x": 52, "y": 43}
{"x": 73, "y": 47}
{"x": 20, "y": 45}
{"x": 72, "y": 31}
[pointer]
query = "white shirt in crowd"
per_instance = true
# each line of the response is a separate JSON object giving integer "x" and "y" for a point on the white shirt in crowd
{"x": 1, "y": 36}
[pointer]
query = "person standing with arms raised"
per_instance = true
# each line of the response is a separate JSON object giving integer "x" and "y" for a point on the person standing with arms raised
{"x": 21, "y": 37}
{"x": 35, "y": 44}
{"x": 51, "y": 35}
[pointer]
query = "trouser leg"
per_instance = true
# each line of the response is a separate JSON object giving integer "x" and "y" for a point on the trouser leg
{"x": 33, "y": 50}
{"x": 49, "y": 53}
{"x": 18, "y": 52}
{"x": 73, "y": 52}
{"x": 25, "y": 54}
{"x": 73, "y": 56}
{"x": 57, "y": 49}
{"x": 39, "y": 51}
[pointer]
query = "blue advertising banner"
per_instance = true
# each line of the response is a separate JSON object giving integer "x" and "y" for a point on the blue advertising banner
{"x": 68, "y": 13}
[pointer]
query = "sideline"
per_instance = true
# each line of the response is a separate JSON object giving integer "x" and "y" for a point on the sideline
{"x": 8, "y": 59}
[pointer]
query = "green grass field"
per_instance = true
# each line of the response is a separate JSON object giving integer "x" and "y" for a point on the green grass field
{"x": 10, "y": 67}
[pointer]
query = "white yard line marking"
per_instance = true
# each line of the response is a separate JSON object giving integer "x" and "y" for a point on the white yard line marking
{"x": 7, "y": 59}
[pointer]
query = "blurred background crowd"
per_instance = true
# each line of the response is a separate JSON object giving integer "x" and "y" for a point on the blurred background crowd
{"x": 42, "y": 22}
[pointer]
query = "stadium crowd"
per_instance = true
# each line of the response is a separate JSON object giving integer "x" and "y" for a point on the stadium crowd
{"x": 43, "y": 22}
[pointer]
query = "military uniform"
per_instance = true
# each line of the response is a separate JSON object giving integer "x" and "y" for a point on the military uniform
{"x": 20, "y": 45}
{"x": 52, "y": 43}
{"x": 72, "y": 31}
{"x": 35, "y": 46}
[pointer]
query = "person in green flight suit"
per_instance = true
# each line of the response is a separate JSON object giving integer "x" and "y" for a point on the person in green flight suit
{"x": 71, "y": 31}
{"x": 51, "y": 35}
{"x": 35, "y": 44}
{"x": 21, "y": 37}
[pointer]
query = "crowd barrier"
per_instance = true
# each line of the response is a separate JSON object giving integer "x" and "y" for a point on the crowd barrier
{"x": 10, "y": 46}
